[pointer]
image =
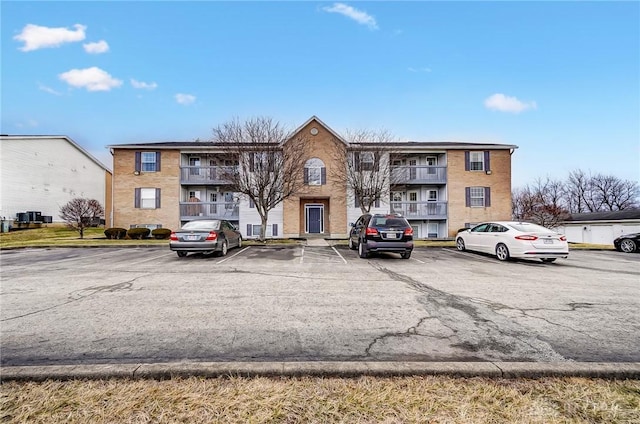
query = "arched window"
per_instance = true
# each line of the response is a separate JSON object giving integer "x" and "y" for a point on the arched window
{"x": 315, "y": 172}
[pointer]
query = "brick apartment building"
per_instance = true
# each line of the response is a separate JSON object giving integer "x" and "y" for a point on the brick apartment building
{"x": 438, "y": 187}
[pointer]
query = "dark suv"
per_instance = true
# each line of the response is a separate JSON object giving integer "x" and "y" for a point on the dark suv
{"x": 381, "y": 233}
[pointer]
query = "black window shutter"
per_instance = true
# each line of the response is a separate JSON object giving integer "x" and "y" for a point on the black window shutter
{"x": 487, "y": 196}
{"x": 377, "y": 203}
{"x": 252, "y": 204}
{"x": 249, "y": 226}
{"x": 467, "y": 163}
{"x": 356, "y": 161}
{"x": 274, "y": 230}
{"x": 138, "y": 165}
{"x": 467, "y": 196}
{"x": 306, "y": 175}
{"x": 487, "y": 165}
{"x": 136, "y": 201}
{"x": 323, "y": 176}
{"x": 251, "y": 162}
{"x": 376, "y": 161}
{"x": 157, "y": 161}
{"x": 357, "y": 201}
{"x": 157, "y": 198}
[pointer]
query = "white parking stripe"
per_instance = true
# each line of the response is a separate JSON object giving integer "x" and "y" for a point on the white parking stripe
{"x": 418, "y": 260}
{"x": 233, "y": 256}
{"x": 338, "y": 253}
{"x": 302, "y": 255}
{"x": 151, "y": 259}
{"x": 75, "y": 258}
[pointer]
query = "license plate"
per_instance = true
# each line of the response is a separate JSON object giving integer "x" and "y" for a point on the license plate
{"x": 548, "y": 241}
{"x": 391, "y": 235}
{"x": 193, "y": 237}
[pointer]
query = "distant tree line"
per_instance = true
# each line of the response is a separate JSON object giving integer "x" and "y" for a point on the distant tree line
{"x": 548, "y": 201}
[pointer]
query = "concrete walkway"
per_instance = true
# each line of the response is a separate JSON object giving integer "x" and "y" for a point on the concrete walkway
{"x": 317, "y": 242}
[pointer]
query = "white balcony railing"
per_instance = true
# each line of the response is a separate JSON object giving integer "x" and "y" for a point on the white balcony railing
{"x": 209, "y": 210}
{"x": 418, "y": 174}
{"x": 420, "y": 210}
{"x": 205, "y": 174}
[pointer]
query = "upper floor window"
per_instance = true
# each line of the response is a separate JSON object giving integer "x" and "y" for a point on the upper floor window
{"x": 366, "y": 161}
{"x": 477, "y": 161}
{"x": 147, "y": 161}
{"x": 315, "y": 172}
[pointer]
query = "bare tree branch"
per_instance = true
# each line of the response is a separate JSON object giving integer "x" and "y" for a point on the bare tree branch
{"x": 270, "y": 161}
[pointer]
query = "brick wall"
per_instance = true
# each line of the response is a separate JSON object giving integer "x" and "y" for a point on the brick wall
{"x": 458, "y": 179}
{"x": 125, "y": 182}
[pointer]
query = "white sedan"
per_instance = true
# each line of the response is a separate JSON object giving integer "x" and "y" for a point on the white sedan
{"x": 507, "y": 239}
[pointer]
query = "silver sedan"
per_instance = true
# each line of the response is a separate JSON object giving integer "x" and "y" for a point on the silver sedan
{"x": 205, "y": 236}
{"x": 507, "y": 239}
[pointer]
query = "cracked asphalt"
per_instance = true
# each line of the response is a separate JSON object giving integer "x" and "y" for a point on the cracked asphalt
{"x": 311, "y": 303}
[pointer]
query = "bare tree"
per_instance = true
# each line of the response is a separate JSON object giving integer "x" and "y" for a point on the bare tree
{"x": 594, "y": 193}
{"x": 79, "y": 213}
{"x": 541, "y": 202}
{"x": 270, "y": 162}
{"x": 365, "y": 166}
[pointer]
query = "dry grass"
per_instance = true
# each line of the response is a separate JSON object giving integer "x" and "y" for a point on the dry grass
{"x": 324, "y": 400}
{"x": 57, "y": 235}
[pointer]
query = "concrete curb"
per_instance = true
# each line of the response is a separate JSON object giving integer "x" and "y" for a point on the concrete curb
{"x": 159, "y": 371}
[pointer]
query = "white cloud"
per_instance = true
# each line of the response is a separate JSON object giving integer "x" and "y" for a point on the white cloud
{"x": 359, "y": 16}
{"x": 38, "y": 37}
{"x": 48, "y": 90}
{"x": 96, "y": 48}
{"x": 411, "y": 69}
{"x": 185, "y": 99}
{"x": 503, "y": 103}
{"x": 143, "y": 85}
{"x": 29, "y": 123}
{"x": 93, "y": 79}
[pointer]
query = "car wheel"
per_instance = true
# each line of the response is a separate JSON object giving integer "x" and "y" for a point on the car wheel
{"x": 362, "y": 251}
{"x": 406, "y": 255}
{"x": 181, "y": 254}
{"x": 352, "y": 246}
{"x": 502, "y": 252}
{"x": 548, "y": 260}
{"x": 239, "y": 241}
{"x": 460, "y": 245}
{"x": 224, "y": 249}
{"x": 628, "y": 246}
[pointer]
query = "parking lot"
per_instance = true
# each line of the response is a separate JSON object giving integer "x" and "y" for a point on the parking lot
{"x": 297, "y": 302}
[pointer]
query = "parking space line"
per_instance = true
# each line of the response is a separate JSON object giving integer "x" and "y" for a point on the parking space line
{"x": 338, "y": 253}
{"x": 302, "y": 255}
{"x": 233, "y": 256}
{"x": 418, "y": 260}
{"x": 151, "y": 259}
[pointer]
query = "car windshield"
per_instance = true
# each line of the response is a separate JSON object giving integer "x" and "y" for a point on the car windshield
{"x": 201, "y": 225}
{"x": 527, "y": 227}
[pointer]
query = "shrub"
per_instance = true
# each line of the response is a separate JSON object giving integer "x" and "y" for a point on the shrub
{"x": 138, "y": 233}
{"x": 161, "y": 233}
{"x": 115, "y": 233}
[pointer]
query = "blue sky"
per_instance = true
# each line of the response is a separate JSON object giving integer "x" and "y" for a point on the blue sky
{"x": 558, "y": 79}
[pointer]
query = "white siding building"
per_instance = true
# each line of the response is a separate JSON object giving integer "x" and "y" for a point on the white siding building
{"x": 43, "y": 173}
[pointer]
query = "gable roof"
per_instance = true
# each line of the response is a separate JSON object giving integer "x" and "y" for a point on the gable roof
{"x": 326, "y": 127}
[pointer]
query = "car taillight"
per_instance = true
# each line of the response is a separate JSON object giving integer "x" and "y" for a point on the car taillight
{"x": 563, "y": 238}
{"x": 173, "y": 236}
{"x": 371, "y": 231}
{"x": 527, "y": 237}
{"x": 408, "y": 231}
{"x": 212, "y": 235}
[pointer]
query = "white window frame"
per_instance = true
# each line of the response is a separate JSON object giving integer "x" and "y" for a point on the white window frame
{"x": 147, "y": 198}
{"x": 476, "y": 197}
{"x": 476, "y": 161}
{"x": 314, "y": 168}
{"x": 148, "y": 162}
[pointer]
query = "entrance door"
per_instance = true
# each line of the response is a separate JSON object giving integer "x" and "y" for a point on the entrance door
{"x": 315, "y": 219}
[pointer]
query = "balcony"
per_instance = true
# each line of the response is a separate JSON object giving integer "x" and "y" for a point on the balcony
{"x": 205, "y": 174}
{"x": 209, "y": 210}
{"x": 420, "y": 210}
{"x": 419, "y": 174}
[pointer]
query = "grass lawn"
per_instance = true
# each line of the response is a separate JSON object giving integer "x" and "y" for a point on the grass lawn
{"x": 428, "y": 399}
